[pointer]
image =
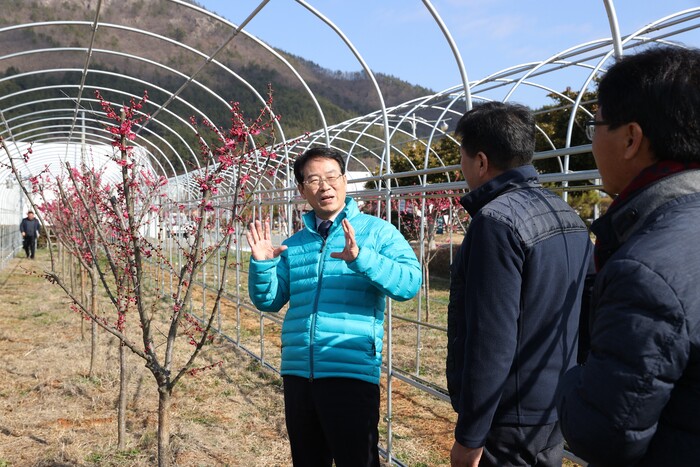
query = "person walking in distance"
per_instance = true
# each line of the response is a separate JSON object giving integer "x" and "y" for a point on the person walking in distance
{"x": 29, "y": 227}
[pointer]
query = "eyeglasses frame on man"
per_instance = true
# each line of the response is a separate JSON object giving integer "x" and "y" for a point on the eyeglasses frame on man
{"x": 590, "y": 127}
{"x": 315, "y": 182}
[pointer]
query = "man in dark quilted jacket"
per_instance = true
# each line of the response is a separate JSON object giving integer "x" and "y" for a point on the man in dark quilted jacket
{"x": 515, "y": 296}
{"x": 636, "y": 400}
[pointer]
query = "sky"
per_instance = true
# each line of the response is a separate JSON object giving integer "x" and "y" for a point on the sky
{"x": 401, "y": 38}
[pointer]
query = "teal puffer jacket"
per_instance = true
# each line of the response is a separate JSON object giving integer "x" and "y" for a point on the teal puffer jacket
{"x": 334, "y": 324}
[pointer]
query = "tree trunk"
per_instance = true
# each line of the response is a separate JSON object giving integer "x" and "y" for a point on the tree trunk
{"x": 61, "y": 260}
{"x": 164, "y": 401}
{"x": 427, "y": 291}
{"x": 74, "y": 289}
{"x": 93, "y": 331}
{"x": 121, "y": 405}
{"x": 83, "y": 297}
{"x": 71, "y": 273}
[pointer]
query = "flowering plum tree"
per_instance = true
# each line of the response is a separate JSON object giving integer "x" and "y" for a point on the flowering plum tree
{"x": 106, "y": 226}
{"x": 415, "y": 213}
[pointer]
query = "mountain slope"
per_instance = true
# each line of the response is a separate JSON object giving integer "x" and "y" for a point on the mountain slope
{"x": 342, "y": 95}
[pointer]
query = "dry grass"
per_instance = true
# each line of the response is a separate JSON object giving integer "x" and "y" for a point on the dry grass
{"x": 54, "y": 415}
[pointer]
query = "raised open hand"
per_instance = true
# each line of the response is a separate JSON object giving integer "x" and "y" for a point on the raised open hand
{"x": 260, "y": 243}
{"x": 351, "y": 250}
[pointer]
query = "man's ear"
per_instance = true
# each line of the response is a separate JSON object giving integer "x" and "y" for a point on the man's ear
{"x": 300, "y": 187}
{"x": 483, "y": 161}
{"x": 634, "y": 135}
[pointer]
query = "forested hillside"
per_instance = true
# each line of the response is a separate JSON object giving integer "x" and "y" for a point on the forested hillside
{"x": 342, "y": 95}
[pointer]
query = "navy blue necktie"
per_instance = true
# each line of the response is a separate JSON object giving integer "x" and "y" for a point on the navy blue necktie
{"x": 324, "y": 227}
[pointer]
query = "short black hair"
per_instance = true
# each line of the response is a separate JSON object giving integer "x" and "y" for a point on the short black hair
{"x": 317, "y": 153}
{"x": 504, "y": 131}
{"x": 659, "y": 89}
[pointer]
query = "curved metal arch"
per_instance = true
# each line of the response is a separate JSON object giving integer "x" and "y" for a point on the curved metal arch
{"x": 59, "y": 99}
{"x": 496, "y": 78}
{"x": 619, "y": 45}
{"x": 263, "y": 45}
{"x": 162, "y": 90}
{"x": 375, "y": 119}
{"x": 230, "y": 174}
{"x": 35, "y": 166}
{"x": 263, "y": 175}
{"x": 131, "y": 29}
{"x": 338, "y": 136}
{"x": 614, "y": 27}
{"x": 557, "y": 59}
{"x": 334, "y": 137}
{"x": 398, "y": 150}
{"x": 55, "y": 138}
{"x": 104, "y": 141}
{"x": 160, "y": 138}
{"x": 455, "y": 53}
{"x": 100, "y": 127}
{"x": 107, "y": 138}
{"x": 332, "y": 130}
{"x": 116, "y": 91}
{"x": 86, "y": 66}
{"x": 553, "y": 60}
{"x": 427, "y": 104}
{"x": 164, "y": 125}
{"x": 401, "y": 118}
{"x": 146, "y": 33}
{"x": 370, "y": 74}
{"x": 304, "y": 145}
{"x": 350, "y": 123}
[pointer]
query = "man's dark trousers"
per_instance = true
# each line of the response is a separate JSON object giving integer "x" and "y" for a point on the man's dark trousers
{"x": 513, "y": 445}
{"x": 29, "y": 245}
{"x": 332, "y": 419}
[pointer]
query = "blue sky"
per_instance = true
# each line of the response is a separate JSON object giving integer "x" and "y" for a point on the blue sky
{"x": 400, "y": 38}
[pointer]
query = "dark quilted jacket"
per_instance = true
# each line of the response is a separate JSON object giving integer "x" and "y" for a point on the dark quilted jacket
{"x": 636, "y": 401}
{"x": 514, "y": 304}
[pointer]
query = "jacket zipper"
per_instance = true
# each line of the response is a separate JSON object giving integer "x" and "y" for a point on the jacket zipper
{"x": 312, "y": 331}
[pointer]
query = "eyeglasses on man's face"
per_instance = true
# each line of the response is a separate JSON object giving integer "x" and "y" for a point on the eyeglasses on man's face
{"x": 590, "y": 127}
{"x": 315, "y": 182}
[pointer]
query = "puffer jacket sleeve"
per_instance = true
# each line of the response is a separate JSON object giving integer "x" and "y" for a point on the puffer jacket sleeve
{"x": 609, "y": 408}
{"x": 268, "y": 283}
{"x": 392, "y": 268}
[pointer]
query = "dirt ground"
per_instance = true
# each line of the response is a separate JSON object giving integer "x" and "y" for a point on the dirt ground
{"x": 53, "y": 414}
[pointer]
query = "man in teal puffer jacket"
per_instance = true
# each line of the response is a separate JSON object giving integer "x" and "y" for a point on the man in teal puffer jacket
{"x": 336, "y": 274}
